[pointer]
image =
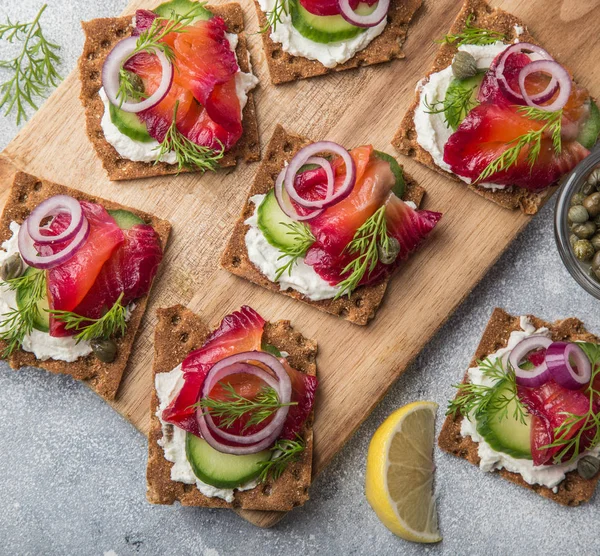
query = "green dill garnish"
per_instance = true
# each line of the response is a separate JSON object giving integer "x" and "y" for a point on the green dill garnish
{"x": 473, "y": 35}
{"x": 532, "y": 141}
{"x": 477, "y": 399}
{"x": 33, "y": 68}
{"x": 457, "y": 103}
{"x": 236, "y": 406}
{"x": 188, "y": 153}
{"x": 18, "y": 323}
{"x": 112, "y": 323}
{"x": 303, "y": 239}
{"x": 284, "y": 453}
{"x": 280, "y": 8}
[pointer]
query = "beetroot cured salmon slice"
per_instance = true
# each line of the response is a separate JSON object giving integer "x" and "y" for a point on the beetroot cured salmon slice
{"x": 330, "y": 7}
{"x": 69, "y": 283}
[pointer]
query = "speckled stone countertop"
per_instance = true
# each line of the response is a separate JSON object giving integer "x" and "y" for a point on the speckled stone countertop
{"x": 72, "y": 471}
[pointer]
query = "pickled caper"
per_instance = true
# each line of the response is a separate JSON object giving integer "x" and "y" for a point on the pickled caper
{"x": 573, "y": 239}
{"x": 583, "y": 250}
{"x": 595, "y": 241}
{"x": 464, "y": 65}
{"x": 104, "y": 350}
{"x": 578, "y": 214}
{"x": 11, "y": 267}
{"x": 577, "y": 199}
{"x": 594, "y": 178}
{"x": 587, "y": 188}
{"x": 592, "y": 204}
{"x": 388, "y": 253}
{"x": 585, "y": 230}
{"x": 588, "y": 466}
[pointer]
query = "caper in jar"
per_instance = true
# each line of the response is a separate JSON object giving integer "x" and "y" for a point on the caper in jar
{"x": 585, "y": 230}
{"x": 588, "y": 466}
{"x": 583, "y": 250}
{"x": 577, "y": 199}
{"x": 389, "y": 252}
{"x": 573, "y": 239}
{"x": 595, "y": 241}
{"x": 578, "y": 214}
{"x": 12, "y": 267}
{"x": 592, "y": 204}
{"x": 105, "y": 350}
{"x": 594, "y": 178}
{"x": 464, "y": 65}
{"x": 587, "y": 188}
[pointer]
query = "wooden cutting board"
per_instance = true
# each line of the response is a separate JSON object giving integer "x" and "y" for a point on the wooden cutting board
{"x": 357, "y": 364}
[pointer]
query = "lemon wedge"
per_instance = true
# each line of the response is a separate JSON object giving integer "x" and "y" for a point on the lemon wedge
{"x": 399, "y": 481}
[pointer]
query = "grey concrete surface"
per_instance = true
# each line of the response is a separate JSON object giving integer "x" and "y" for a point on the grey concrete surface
{"x": 72, "y": 470}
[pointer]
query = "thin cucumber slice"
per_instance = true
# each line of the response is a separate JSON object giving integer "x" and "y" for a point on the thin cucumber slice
{"x": 125, "y": 219}
{"x": 42, "y": 319}
{"x": 129, "y": 124}
{"x": 181, "y": 7}
{"x": 272, "y": 223}
{"x": 591, "y": 128}
{"x": 396, "y": 169}
{"x": 222, "y": 470}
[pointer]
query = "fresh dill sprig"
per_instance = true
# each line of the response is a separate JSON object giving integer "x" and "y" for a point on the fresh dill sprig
{"x": 285, "y": 452}
{"x": 112, "y": 323}
{"x": 280, "y": 8}
{"x": 303, "y": 239}
{"x": 371, "y": 238}
{"x": 236, "y": 406}
{"x": 33, "y": 69}
{"x": 457, "y": 103}
{"x": 532, "y": 141}
{"x": 188, "y": 153}
{"x": 130, "y": 87}
{"x": 587, "y": 426}
{"x": 473, "y": 35}
{"x": 18, "y": 323}
{"x": 477, "y": 399}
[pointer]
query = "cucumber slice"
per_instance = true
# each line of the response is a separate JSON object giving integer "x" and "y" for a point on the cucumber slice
{"x": 129, "y": 124}
{"x": 125, "y": 219}
{"x": 181, "y": 7}
{"x": 42, "y": 320}
{"x": 272, "y": 223}
{"x": 453, "y": 105}
{"x": 507, "y": 435}
{"x": 326, "y": 28}
{"x": 396, "y": 169}
{"x": 222, "y": 470}
{"x": 591, "y": 128}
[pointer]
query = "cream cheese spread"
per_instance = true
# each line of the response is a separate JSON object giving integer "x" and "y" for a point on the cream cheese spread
{"x": 331, "y": 54}
{"x": 547, "y": 475}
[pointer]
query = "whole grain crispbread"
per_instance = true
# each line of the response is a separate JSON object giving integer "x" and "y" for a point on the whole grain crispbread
{"x": 363, "y": 303}
{"x": 283, "y": 67}
{"x": 26, "y": 193}
{"x": 101, "y": 37}
{"x": 405, "y": 140}
{"x": 574, "y": 489}
{"x": 178, "y": 332}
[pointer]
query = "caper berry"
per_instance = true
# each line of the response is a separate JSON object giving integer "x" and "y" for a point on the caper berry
{"x": 105, "y": 350}
{"x": 578, "y": 214}
{"x": 585, "y": 230}
{"x": 592, "y": 204}
{"x": 595, "y": 241}
{"x": 594, "y": 178}
{"x": 12, "y": 267}
{"x": 464, "y": 65}
{"x": 573, "y": 239}
{"x": 596, "y": 262}
{"x": 583, "y": 250}
{"x": 388, "y": 253}
{"x": 587, "y": 188}
{"x": 577, "y": 199}
{"x": 588, "y": 466}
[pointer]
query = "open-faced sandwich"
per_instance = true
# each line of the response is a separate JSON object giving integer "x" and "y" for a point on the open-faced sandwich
{"x": 75, "y": 274}
{"x": 498, "y": 112}
{"x": 306, "y": 38}
{"x": 231, "y": 412}
{"x": 529, "y": 407}
{"x": 168, "y": 90}
{"x": 328, "y": 226}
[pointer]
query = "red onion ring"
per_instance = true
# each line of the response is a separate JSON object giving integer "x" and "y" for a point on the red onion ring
{"x": 301, "y": 159}
{"x": 559, "y": 75}
{"x": 52, "y": 207}
{"x": 326, "y": 165}
{"x": 31, "y": 256}
{"x": 558, "y": 359}
{"x": 538, "y": 375}
{"x": 371, "y": 20}
{"x": 517, "y": 48}
{"x": 284, "y": 203}
{"x": 122, "y": 51}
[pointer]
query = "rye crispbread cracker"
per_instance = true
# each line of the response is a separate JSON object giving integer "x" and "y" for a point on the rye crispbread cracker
{"x": 405, "y": 140}
{"x": 283, "y": 67}
{"x": 573, "y": 490}
{"x": 101, "y": 37}
{"x": 363, "y": 303}
{"x": 26, "y": 193}
{"x": 179, "y": 332}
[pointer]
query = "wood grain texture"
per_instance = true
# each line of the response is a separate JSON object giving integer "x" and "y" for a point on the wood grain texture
{"x": 356, "y": 364}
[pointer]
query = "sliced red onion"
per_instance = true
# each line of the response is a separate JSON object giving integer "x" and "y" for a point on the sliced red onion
{"x": 52, "y": 207}
{"x": 371, "y": 20}
{"x": 559, "y": 75}
{"x": 302, "y": 158}
{"x": 517, "y": 48}
{"x": 326, "y": 165}
{"x": 284, "y": 203}
{"x": 569, "y": 365}
{"x": 538, "y": 375}
{"x": 113, "y": 64}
